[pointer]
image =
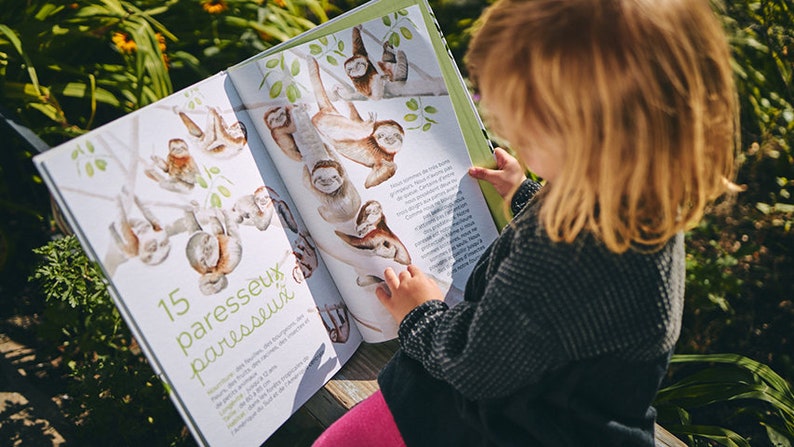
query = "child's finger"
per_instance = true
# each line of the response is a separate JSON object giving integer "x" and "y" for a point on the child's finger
{"x": 382, "y": 292}
{"x": 391, "y": 278}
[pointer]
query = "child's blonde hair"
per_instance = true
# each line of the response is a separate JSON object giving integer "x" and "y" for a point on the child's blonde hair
{"x": 639, "y": 95}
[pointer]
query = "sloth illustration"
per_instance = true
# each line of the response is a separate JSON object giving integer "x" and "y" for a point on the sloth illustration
{"x": 178, "y": 172}
{"x": 217, "y": 139}
{"x": 214, "y": 250}
{"x": 366, "y": 78}
{"x": 305, "y": 258}
{"x": 257, "y": 209}
{"x": 145, "y": 239}
{"x": 282, "y": 128}
{"x": 378, "y": 240}
{"x": 323, "y": 175}
{"x": 339, "y": 328}
{"x": 394, "y": 64}
{"x": 370, "y": 143}
{"x": 369, "y": 217}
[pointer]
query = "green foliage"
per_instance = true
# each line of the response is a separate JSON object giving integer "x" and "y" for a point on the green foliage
{"x": 114, "y": 397}
{"x": 743, "y": 386}
{"x": 740, "y": 259}
{"x": 131, "y": 53}
{"x": 738, "y": 287}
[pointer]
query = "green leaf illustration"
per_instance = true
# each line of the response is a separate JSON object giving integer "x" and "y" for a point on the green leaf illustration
{"x": 426, "y": 127}
{"x": 293, "y": 93}
{"x": 215, "y": 170}
{"x": 412, "y": 104}
{"x": 101, "y": 164}
{"x": 410, "y": 117}
{"x": 430, "y": 109}
{"x": 224, "y": 191}
{"x": 75, "y": 153}
{"x": 89, "y": 169}
{"x": 386, "y": 20}
{"x": 332, "y": 60}
{"x": 272, "y": 63}
{"x": 203, "y": 183}
{"x": 89, "y": 146}
{"x": 315, "y": 49}
{"x": 296, "y": 68}
{"x": 215, "y": 200}
{"x": 406, "y": 32}
{"x": 275, "y": 89}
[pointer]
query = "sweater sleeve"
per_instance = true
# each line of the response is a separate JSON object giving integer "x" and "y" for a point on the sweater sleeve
{"x": 525, "y": 192}
{"x": 544, "y": 305}
{"x": 486, "y": 348}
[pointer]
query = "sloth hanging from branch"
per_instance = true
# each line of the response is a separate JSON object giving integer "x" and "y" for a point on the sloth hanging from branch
{"x": 387, "y": 78}
{"x": 214, "y": 249}
{"x": 217, "y": 138}
{"x": 132, "y": 237}
{"x": 257, "y": 210}
{"x": 371, "y": 143}
{"x": 282, "y": 129}
{"x": 323, "y": 175}
{"x": 366, "y": 79}
{"x": 306, "y": 260}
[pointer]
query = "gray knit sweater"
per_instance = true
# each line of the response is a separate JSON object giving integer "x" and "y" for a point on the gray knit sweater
{"x": 554, "y": 344}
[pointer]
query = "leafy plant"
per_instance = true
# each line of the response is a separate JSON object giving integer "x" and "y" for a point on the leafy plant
{"x": 132, "y": 52}
{"x": 728, "y": 380}
{"x": 115, "y": 396}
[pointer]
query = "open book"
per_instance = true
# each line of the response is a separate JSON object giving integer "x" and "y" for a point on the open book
{"x": 244, "y": 223}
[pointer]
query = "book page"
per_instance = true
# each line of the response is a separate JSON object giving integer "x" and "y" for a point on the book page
{"x": 208, "y": 259}
{"x": 362, "y": 128}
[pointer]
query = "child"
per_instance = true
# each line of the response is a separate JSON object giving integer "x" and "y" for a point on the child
{"x": 627, "y": 109}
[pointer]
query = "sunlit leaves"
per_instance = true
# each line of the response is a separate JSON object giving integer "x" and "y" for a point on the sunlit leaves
{"x": 42, "y": 40}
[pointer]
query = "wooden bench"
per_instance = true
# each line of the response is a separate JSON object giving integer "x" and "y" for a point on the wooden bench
{"x": 357, "y": 380}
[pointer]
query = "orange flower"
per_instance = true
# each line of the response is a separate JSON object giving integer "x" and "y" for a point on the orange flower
{"x": 280, "y": 3}
{"x": 124, "y": 43}
{"x": 161, "y": 45}
{"x": 214, "y": 6}
{"x": 160, "y": 42}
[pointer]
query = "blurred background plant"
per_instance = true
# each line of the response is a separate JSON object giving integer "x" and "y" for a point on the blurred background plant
{"x": 67, "y": 67}
{"x": 740, "y": 260}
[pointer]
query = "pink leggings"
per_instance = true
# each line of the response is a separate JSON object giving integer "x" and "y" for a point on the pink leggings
{"x": 367, "y": 424}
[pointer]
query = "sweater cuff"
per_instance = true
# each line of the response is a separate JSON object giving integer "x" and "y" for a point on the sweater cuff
{"x": 525, "y": 192}
{"x": 418, "y": 321}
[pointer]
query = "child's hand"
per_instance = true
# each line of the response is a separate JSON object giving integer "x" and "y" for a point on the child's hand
{"x": 507, "y": 175}
{"x": 407, "y": 290}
